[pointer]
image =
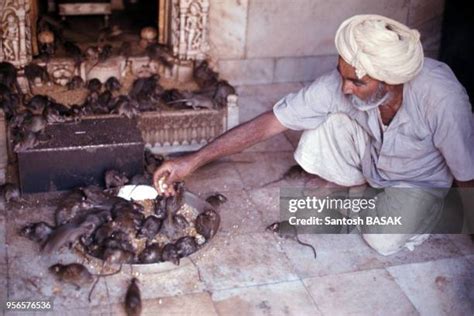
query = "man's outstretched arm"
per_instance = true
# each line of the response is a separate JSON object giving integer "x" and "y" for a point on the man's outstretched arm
{"x": 233, "y": 141}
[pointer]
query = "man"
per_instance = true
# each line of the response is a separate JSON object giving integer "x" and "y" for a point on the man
{"x": 386, "y": 116}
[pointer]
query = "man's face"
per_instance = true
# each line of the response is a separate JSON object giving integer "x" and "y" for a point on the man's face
{"x": 365, "y": 90}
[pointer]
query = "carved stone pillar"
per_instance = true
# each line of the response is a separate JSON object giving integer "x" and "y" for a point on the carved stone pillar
{"x": 15, "y": 32}
{"x": 188, "y": 27}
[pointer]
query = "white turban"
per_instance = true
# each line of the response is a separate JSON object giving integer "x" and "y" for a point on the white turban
{"x": 380, "y": 47}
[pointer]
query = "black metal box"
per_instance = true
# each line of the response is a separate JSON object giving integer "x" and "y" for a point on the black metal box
{"x": 78, "y": 154}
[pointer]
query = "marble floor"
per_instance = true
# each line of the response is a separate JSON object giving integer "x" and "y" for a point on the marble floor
{"x": 246, "y": 270}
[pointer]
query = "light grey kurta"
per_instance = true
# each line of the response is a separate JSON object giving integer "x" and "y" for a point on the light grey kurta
{"x": 429, "y": 141}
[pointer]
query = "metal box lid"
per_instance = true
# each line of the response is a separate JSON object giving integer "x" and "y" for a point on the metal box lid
{"x": 89, "y": 133}
{"x": 79, "y": 153}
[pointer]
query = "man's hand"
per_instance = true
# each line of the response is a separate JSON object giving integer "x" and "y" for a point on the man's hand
{"x": 171, "y": 171}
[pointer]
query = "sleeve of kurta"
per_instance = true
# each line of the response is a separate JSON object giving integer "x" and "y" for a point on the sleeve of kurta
{"x": 309, "y": 107}
{"x": 453, "y": 134}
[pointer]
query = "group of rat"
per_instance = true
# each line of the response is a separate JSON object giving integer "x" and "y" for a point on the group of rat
{"x": 29, "y": 114}
{"x": 108, "y": 227}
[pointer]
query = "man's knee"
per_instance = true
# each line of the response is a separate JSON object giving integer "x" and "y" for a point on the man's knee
{"x": 338, "y": 119}
{"x": 385, "y": 244}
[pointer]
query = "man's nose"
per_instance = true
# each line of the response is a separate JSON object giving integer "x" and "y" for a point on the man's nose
{"x": 347, "y": 87}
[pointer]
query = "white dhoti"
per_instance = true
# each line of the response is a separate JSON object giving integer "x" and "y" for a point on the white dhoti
{"x": 334, "y": 151}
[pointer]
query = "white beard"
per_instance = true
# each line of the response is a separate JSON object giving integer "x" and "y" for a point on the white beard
{"x": 376, "y": 100}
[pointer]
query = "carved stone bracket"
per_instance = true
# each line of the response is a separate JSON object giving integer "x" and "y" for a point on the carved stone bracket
{"x": 15, "y": 32}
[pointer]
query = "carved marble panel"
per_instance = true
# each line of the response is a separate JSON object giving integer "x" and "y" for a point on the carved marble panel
{"x": 15, "y": 32}
{"x": 188, "y": 27}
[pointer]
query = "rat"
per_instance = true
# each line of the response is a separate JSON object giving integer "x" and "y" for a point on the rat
{"x": 204, "y": 76}
{"x": 223, "y": 90}
{"x": 105, "y": 101}
{"x": 114, "y": 178}
{"x": 121, "y": 240}
{"x": 10, "y": 192}
{"x": 294, "y": 172}
{"x": 38, "y": 232}
{"x": 115, "y": 255}
{"x": 29, "y": 140}
{"x": 207, "y": 224}
{"x": 35, "y": 124}
{"x": 75, "y": 52}
{"x": 286, "y": 230}
{"x": 94, "y": 85}
{"x": 70, "y": 232}
{"x": 186, "y": 246}
{"x": 34, "y": 73}
{"x": 216, "y": 199}
{"x": 72, "y": 204}
{"x": 170, "y": 253}
{"x": 160, "y": 207}
{"x": 152, "y": 161}
{"x": 9, "y": 76}
{"x": 151, "y": 254}
{"x": 112, "y": 84}
{"x": 151, "y": 226}
{"x": 37, "y": 104}
{"x": 104, "y": 231}
{"x": 126, "y": 107}
{"x": 197, "y": 101}
{"x": 76, "y": 82}
{"x": 133, "y": 300}
{"x": 75, "y": 274}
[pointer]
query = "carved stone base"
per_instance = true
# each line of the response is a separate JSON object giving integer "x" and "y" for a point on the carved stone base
{"x": 183, "y": 71}
{"x": 102, "y": 71}
{"x": 185, "y": 130}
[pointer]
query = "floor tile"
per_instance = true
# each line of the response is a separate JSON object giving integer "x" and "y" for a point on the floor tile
{"x": 293, "y": 137}
{"x": 218, "y": 176}
{"x": 182, "y": 280}
{"x": 42, "y": 285}
{"x": 441, "y": 287}
{"x": 470, "y": 258}
{"x": 286, "y": 298}
{"x": 464, "y": 243}
{"x": 267, "y": 201}
{"x": 239, "y": 215}
{"x": 243, "y": 260}
{"x": 193, "y": 304}
{"x": 335, "y": 254}
{"x": 3, "y": 283}
{"x": 266, "y": 168}
{"x": 372, "y": 292}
